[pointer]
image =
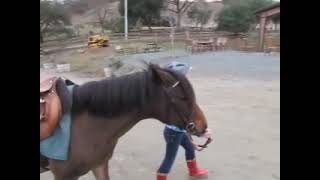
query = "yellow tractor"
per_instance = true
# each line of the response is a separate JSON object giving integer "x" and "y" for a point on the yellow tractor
{"x": 97, "y": 41}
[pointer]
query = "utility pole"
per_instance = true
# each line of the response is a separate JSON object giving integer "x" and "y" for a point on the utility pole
{"x": 126, "y": 19}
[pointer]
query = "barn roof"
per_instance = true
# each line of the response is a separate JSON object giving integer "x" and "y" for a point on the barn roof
{"x": 267, "y": 8}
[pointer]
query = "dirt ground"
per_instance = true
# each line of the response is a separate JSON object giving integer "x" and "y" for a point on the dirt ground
{"x": 240, "y": 95}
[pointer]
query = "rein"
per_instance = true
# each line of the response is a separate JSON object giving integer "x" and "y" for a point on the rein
{"x": 205, "y": 145}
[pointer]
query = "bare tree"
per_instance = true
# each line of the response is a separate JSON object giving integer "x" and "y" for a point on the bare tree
{"x": 101, "y": 15}
{"x": 179, "y": 8}
{"x": 103, "y": 7}
{"x": 53, "y": 18}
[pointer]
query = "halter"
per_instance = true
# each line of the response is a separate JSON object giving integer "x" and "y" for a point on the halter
{"x": 189, "y": 124}
{"x": 185, "y": 117}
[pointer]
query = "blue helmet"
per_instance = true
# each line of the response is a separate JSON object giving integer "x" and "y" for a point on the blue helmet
{"x": 183, "y": 68}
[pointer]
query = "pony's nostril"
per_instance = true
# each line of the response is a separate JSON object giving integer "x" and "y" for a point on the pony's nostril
{"x": 204, "y": 131}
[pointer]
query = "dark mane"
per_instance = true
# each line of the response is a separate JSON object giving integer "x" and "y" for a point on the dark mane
{"x": 112, "y": 96}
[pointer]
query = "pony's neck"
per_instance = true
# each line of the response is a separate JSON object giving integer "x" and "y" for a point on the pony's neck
{"x": 128, "y": 120}
{"x": 122, "y": 124}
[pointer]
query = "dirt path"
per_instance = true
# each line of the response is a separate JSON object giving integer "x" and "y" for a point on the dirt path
{"x": 241, "y": 99}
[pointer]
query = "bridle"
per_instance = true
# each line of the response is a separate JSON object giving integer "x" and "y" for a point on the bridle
{"x": 185, "y": 117}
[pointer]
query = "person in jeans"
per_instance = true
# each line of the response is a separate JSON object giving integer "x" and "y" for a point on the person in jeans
{"x": 174, "y": 137}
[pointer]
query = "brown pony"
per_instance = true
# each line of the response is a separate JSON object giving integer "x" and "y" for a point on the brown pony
{"x": 105, "y": 110}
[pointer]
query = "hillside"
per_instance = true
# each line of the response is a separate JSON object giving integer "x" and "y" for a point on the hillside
{"x": 89, "y": 18}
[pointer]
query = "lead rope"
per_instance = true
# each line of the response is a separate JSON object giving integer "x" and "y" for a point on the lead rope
{"x": 199, "y": 147}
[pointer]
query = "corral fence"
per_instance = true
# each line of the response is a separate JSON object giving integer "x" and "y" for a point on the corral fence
{"x": 242, "y": 41}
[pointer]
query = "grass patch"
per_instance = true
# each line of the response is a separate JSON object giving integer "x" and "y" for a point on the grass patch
{"x": 167, "y": 46}
{"x": 163, "y": 45}
{"x": 94, "y": 66}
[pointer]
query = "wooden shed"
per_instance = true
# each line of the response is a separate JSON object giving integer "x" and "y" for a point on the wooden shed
{"x": 264, "y": 14}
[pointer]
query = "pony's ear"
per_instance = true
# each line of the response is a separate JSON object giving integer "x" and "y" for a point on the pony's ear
{"x": 159, "y": 75}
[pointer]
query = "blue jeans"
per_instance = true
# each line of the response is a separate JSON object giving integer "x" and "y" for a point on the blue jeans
{"x": 174, "y": 139}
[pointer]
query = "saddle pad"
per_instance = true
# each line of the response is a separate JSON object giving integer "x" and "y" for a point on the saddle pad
{"x": 56, "y": 146}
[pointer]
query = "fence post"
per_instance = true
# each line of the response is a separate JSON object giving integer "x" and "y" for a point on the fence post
{"x": 156, "y": 37}
{"x": 187, "y": 35}
{"x": 172, "y": 40}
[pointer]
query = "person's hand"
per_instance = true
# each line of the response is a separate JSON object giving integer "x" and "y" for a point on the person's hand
{"x": 193, "y": 143}
{"x": 196, "y": 146}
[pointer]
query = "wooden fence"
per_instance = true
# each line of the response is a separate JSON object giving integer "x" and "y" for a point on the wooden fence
{"x": 239, "y": 41}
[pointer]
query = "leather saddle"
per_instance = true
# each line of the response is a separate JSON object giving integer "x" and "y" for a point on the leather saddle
{"x": 50, "y": 107}
{"x": 55, "y": 100}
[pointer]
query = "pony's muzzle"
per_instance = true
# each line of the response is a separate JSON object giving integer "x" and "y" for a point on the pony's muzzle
{"x": 191, "y": 127}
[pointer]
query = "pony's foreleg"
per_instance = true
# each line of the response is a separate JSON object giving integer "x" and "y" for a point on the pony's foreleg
{"x": 102, "y": 172}
{"x": 61, "y": 173}
{"x": 65, "y": 178}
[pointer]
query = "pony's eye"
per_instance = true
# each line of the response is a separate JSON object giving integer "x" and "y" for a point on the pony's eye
{"x": 183, "y": 98}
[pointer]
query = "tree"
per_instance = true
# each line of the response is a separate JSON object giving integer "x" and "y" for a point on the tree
{"x": 234, "y": 19}
{"x": 76, "y": 6}
{"x": 77, "y": 28}
{"x": 101, "y": 15}
{"x": 80, "y": 6}
{"x": 238, "y": 15}
{"x": 53, "y": 16}
{"x": 147, "y": 11}
{"x": 179, "y": 8}
{"x": 115, "y": 25}
{"x": 200, "y": 13}
{"x": 101, "y": 11}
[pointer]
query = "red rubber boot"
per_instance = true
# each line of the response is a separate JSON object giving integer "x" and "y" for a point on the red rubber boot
{"x": 161, "y": 177}
{"x": 194, "y": 170}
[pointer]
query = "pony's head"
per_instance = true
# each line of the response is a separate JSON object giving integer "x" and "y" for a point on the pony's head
{"x": 176, "y": 102}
